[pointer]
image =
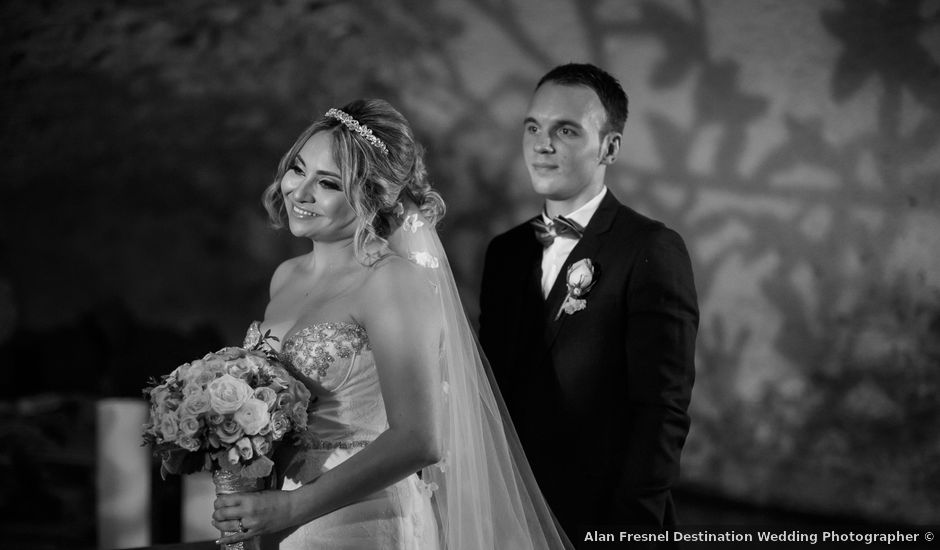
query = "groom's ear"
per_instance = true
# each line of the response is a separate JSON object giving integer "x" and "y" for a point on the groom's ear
{"x": 610, "y": 147}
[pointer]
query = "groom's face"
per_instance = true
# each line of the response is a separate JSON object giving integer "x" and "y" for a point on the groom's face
{"x": 561, "y": 141}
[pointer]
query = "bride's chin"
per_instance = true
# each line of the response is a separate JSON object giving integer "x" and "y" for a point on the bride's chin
{"x": 299, "y": 227}
{"x": 321, "y": 234}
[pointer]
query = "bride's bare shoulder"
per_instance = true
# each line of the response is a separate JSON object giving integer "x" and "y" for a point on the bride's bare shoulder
{"x": 391, "y": 269}
{"x": 398, "y": 301}
{"x": 396, "y": 279}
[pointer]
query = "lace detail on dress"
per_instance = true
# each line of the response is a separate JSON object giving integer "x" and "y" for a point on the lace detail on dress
{"x": 424, "y": 259}
{"x": 253, "y": 336}
{"x": 320, "y": 444}
{"x": 308, "y": 350}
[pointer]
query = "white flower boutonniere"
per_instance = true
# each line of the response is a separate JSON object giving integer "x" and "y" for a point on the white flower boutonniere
{"x": 580, "y": 279}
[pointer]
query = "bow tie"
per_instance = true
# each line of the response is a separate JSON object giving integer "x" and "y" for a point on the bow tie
{"x": 557, "y": 227}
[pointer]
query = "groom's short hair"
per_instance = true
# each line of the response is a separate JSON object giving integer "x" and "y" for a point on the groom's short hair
{"x": 607, "y": 88}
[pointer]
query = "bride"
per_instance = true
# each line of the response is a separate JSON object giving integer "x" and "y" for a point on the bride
{"x": 409, "y": 444}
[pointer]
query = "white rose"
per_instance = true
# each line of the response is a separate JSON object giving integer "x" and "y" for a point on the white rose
{"x": 180, "y": 372}
{"x": 229, "y": 431}
{"x": 255, "y": 361}
{"x": 233, "y": 455}
{"x": 237, "y": 368}
{"x": 169, "y": 426}
{"x": 244, "y": 448}
{"x": 261, "y": 445}
{"x": 280, "y": 423}
{"x": 267, "y": 395}
{"x": 252, "y": 416}
{"x": 192, "y": 371}
{"x": 189, "y": 426}
{"x": 195, "y": 404}
{"x": 189, "y": 443}
{"x": 213, "y": 368}
{"x": 227, "y": 394}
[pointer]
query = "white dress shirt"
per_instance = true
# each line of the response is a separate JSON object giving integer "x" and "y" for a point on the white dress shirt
{"x": 555, "y": 254}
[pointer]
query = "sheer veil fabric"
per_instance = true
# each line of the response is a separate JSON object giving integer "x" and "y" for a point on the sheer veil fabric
{"x": 483, "y": 491}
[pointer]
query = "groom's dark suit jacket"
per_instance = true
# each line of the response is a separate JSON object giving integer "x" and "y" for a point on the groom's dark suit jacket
{"x": 598, "y": 397}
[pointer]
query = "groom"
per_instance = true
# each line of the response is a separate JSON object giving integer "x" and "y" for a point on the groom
{"x": 589, "y": 317}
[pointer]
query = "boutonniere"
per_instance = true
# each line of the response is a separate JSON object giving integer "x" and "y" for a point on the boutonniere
{"x": 579, "y": 279}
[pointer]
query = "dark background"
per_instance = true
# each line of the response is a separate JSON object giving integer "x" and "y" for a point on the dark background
{"x": 795, "y": 146}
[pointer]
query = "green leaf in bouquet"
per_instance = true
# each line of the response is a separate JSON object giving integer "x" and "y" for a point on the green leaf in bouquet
{"x": 180, "y": 461}
{"x": 260, "y": 467}
{"x": 192, "y": 463}
{"x": 219, "y": 455}
{"x": 164, "y": 471}
{"x": 164, "y": 448}
{"x": 266, "y": 346}
{"x": 172, "y": 461}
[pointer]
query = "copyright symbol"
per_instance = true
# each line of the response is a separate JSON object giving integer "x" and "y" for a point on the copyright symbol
{"x": 928, "y": 536}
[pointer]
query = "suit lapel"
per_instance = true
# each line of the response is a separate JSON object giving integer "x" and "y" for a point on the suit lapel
{"x": 531, "y": 301}
{"x": 587, "y": 247}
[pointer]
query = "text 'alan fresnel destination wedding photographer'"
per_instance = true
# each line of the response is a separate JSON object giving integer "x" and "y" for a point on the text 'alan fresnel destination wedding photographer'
{"x": 756, "y": 537}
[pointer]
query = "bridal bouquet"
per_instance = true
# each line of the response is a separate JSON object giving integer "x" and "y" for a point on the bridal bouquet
{"x": 225, "y": 411}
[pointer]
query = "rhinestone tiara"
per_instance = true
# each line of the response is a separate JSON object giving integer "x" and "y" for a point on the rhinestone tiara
{"x": 360, "y": 129}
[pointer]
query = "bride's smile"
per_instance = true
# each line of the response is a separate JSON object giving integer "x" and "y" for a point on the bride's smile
{"x": 313, "y": 193}
{"x": 302, "y": 213}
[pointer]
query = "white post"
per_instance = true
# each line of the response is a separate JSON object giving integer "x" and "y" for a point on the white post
{"x": 123, "y": 474}
{"x": 198, "y": 495}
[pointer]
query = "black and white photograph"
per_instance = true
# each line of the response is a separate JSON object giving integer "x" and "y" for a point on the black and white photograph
{"x": 469, "y": 274}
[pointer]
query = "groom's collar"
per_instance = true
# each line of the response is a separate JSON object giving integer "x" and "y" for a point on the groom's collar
{"x": 600, "y": 222}
{"x": 604, "y": 216}
{"x": 582, "y": 216}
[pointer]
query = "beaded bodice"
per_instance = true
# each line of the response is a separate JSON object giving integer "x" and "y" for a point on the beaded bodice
{"x": 325, "y": 352}
{"x": 348, "y": 410}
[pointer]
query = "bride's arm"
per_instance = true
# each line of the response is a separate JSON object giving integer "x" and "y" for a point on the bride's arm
{"x": 400, "y": 317}
{"x": 402, "y": 323}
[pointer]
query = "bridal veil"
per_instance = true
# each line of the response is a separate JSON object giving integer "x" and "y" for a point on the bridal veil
{"x": 483, "y": 491}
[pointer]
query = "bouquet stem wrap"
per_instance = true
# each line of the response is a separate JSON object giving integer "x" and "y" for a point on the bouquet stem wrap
{"x": 226, "y": 483}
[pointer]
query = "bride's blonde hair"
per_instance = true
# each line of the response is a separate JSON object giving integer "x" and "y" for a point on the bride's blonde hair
{"x": 377, "y": 181}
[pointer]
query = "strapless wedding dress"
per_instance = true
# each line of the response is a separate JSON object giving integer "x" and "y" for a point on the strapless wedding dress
{"x": 348, "y": 414}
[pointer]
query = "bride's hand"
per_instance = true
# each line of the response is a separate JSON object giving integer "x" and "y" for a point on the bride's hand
{"x": 250, "y": 514}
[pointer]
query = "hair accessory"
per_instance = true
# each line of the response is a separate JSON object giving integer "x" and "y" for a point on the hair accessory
{"x": 360, "y": 129}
